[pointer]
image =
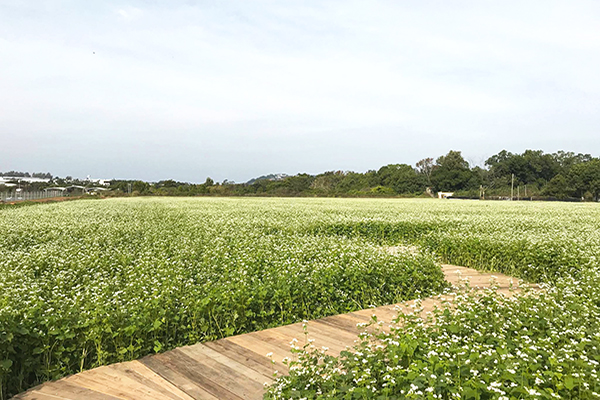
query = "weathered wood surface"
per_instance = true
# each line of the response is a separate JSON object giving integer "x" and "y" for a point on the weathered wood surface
{"x": 233, "y": 368}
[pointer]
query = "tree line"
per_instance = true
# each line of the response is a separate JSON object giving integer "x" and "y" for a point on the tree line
{"x": 531, "y": 174}
{"x": 20, "y": 174}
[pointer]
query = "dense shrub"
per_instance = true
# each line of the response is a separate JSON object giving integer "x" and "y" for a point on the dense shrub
{"x": 89, "y": 283}
{"x": 540, "y": 345}
{"x": 530, "y": 240}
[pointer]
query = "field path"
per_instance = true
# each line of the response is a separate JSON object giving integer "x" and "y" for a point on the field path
{"x": 233, "y": 368}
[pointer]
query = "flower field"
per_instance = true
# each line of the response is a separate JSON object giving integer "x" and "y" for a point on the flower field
{"x": 531, "y": 346}
{"x": 530, "y": 240}
{"x": 87, "y": 283}
{"x": 534, "y": 345}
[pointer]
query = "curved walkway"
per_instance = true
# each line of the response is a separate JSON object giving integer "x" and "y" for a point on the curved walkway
{"x": 232, "y": 368}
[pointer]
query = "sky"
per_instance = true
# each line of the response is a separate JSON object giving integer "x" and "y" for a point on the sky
{"x": 237, "y": 89}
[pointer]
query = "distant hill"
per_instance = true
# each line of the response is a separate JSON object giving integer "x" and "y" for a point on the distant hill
{"x": 270, "y": 177}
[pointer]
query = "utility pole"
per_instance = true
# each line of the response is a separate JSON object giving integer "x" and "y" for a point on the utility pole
{"x": 512, "y": 187}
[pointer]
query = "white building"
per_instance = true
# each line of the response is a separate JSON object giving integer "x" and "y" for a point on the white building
{"x": 445, "y": 195}
{"x": 102, "y": 182}
{"x": 6, "y": 179}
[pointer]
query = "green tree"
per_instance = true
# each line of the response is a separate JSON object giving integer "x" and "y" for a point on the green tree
{"x": 141, "y": 187}
{"x": 425, "y": 167}
{"x": 401, "y": 178}
{"x": 452, "y": 173}
{"x": 585, "y": 177}
{"x": 357, "y": 182}
{"x": 567, "y": 159}
{"x": 531, "y": 167}
{"x": 327, "y": 182}
{"x": 557, "y": 187}
{"x": 298, "y": 184}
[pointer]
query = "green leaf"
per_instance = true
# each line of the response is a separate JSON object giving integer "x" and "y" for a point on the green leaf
{"x": 569, "y": 383}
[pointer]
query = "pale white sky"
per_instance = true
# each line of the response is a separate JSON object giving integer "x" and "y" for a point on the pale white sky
{"x": 237, "y": 89}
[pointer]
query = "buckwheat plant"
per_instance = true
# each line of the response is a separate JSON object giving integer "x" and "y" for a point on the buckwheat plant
{"x": 536, "y": 344}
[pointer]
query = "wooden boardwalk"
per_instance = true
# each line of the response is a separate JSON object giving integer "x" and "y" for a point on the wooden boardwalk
{"x": 236, "y": 367}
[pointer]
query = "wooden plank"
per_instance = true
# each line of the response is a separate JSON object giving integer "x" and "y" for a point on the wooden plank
{"x": 198, "y": 373}
{"x": 363, "y": 315}
{"x": 255, "y": 344}
{"x": 356, "y": 319}
{"x": 235, "y": 377}
{"x": 385, "y": 313}
{"x": 259, "y": 363}
{"x": 179, "y": 380}
{"x": 270, "y": 343}
{"x": 281, "y": 339}
{"x": 112, "y": 382}
{"x": 68, "y": 390}
{"x": 344, "y": 322}
{"x": 234, "y": 368}
{"x": 341, "y": 335}
{"x": 201, "y": 350}
{"x": 36, "y": 395}
{"x": 143, "y": 370}
{"x": 320, "y": 339}
{"x": 145, "y": 376}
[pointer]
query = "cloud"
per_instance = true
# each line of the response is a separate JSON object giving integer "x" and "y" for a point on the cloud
{"x": 129, "y": 13}
{"x": 234, "y": 89}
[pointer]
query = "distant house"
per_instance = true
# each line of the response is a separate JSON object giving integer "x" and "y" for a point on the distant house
{"x": 7, "y": 179}
{"x": 103, "y": 182}
{"x": 445, "y": 195}
{"x": 55, "y": 189}
{"x": 74, "y": 188}
{"x": 65, "y": 190}
{"x": 95, "y": 190}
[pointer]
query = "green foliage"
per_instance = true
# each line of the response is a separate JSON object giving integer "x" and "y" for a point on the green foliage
{"x": 382, "y": 191}
{"x": 88, "y": 283}
{"x": 483, "y": 345}
{"x": 529, "y": 167}
{"x": 379, "y": 231}
{"x": 141, "y": 187}
{"x": 452, "y": 173}
{"x": 558, "y": 187}
{"x": 586, "y": 178}
{"x": 530, "y": 240}
{"x": 542, "y": 173}
{"x": 546, "y": 172}
{"x": 401, "y": 178}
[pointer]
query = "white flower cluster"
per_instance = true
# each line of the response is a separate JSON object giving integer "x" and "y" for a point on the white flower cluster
{"x": 533, "y": 345}
{"x": 86, "y": 283}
